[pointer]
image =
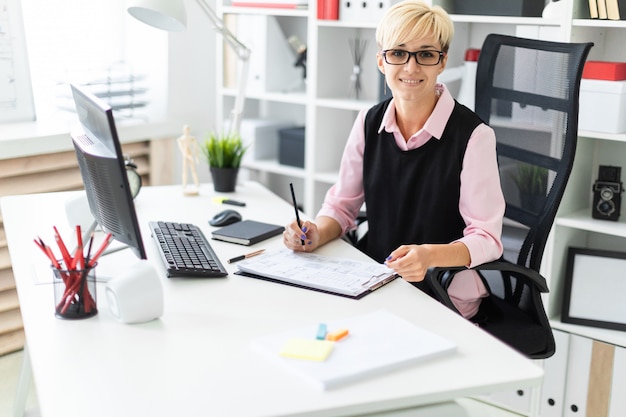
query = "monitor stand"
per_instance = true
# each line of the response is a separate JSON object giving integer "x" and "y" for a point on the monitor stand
{"x": 78, "y": 213}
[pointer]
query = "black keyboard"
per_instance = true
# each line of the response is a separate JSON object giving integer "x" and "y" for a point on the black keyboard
{"x": 185, "y": 251}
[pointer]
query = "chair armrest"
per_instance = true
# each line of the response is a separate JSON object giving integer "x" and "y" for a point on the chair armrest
{"x": 501, "y": 265}
{"x": 439, "y": 278}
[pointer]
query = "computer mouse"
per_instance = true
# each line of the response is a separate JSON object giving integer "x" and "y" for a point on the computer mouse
{"x": 224, "y": 218}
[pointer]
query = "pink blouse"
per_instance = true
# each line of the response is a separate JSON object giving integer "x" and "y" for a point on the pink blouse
{"x": 481, "y": 202}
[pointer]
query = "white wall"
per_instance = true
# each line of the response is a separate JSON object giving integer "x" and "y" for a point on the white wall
{"x": 192, "y": 84}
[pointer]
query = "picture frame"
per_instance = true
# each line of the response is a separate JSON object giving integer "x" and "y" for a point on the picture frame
{"x": 595, "y": 284}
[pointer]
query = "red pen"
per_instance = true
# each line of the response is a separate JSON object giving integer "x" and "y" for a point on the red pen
{"x": 107, "y": 240}
{"x": 80, "y": 257}
{"x": 48, "y": 252}
{"x": 79, "y": 260}
{"x": 64, "y": 252}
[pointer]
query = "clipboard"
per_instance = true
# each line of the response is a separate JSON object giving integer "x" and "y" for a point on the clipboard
{"x": 306, "y": 287}
{"x": 337, "y": 276}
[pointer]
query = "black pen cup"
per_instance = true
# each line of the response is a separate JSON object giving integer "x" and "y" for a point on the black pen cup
{"x": 74, "y": 292}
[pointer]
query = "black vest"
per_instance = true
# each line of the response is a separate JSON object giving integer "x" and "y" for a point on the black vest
{"x": 412, "y": 197}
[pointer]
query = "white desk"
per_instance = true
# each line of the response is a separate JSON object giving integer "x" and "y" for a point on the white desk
{"x": 196, "y": 360}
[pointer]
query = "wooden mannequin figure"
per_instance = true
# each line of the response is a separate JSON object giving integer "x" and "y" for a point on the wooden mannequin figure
{"x": 189, "y": 148}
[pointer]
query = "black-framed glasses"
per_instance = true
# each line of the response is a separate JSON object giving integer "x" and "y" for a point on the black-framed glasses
{"x": 400, "y": 57}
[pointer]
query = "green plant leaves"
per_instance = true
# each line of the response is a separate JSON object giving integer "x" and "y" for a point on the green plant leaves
{"x": 532, "y": 179}
{"x": 224, "y": 151}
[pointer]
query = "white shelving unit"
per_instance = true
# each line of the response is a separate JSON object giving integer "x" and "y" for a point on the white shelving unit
{"x": 326, "y": 107}
{"x": 328, "y": 110}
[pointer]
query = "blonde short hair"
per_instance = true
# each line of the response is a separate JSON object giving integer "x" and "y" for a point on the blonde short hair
{"x": 413, "y": 19}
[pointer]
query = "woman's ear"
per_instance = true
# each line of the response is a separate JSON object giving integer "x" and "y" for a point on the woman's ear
{"x": 380, "y": 62}
{"x": 444, "y": 61}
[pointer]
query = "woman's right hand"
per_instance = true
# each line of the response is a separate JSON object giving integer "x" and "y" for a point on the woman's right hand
{"x": 293, "y": 236}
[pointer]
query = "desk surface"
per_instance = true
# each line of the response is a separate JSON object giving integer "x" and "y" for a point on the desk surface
{"x": 196, "y": 359}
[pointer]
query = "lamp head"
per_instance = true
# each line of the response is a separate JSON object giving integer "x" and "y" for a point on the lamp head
{"x": 162, "y": 14}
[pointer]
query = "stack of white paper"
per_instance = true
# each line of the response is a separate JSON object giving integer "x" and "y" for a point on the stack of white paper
{"x": 377, "y": 342}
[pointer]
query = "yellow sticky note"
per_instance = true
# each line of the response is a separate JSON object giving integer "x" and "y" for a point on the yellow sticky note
{"x": 309, "y": 349}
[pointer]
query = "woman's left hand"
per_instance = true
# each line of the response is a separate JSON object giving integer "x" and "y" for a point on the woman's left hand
{"x": 411, "y": 262}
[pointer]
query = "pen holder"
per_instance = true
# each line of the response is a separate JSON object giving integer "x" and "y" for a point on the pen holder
{"x": 74, "y": 292}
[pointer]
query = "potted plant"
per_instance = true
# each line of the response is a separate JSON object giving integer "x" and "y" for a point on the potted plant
{"x": 224, "y": 153}
{"x": 532, "y": 182}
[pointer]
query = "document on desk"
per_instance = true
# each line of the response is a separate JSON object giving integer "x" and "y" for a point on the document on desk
{"x": 339, "y": 276}
{"x": 377, "y": 342}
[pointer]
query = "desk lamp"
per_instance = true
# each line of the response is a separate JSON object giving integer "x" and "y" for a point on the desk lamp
{"x": 170, "y": 15}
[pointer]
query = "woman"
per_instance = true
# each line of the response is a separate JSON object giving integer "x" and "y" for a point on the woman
{"x": 424, "y": 165}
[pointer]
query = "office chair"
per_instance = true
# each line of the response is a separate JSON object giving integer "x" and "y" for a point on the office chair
{"x": 527, "y": 91}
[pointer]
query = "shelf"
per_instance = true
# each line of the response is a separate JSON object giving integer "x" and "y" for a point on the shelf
{"x": 617, "y": 137}
{"x": 346, "y": 24}
{"x": 509, "y": 20}
{"x": 272, "y": 166}
{"x": 582, "y": 220}
{"x": 266, "y": 11}
{"x": 296, "y": 97}
{"x": 599, "y": 23}
{"x": 344, "y": 103}
{"x": 614, "y": 337}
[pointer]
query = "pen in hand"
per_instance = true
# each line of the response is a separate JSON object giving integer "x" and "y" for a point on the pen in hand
{"x": 246, "y": 256}
{"x": 295, "y": 207}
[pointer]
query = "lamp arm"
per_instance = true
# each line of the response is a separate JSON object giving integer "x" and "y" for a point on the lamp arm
{"x": 237, "y": 111}
{"x": 243, "y": 53}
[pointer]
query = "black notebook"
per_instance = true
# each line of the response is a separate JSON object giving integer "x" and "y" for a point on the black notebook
{"x": 247, "y": 232}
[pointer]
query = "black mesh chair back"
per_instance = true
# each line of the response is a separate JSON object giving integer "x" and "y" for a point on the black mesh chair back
{"x": 527, "y": 91}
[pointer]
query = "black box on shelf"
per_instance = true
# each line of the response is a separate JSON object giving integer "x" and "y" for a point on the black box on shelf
{"x": 291, "y": 146}
{"x": 525, "y": 8}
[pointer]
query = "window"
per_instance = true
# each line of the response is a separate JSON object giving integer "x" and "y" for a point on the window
{"x": 85, "y": 41}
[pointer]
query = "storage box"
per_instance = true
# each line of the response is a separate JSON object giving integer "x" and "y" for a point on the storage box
{"x": 526, "y": 8}
{"x": 261, "y": 137}
{"x": 603, "y": 70}
{"x": 602, "y": 106}
{"x": 291, "y": 148}
{"x": 364, "y": 10}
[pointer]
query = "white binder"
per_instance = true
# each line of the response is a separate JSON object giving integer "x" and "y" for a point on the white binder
{"x": 518, "y": 400}
{"x": 555, "y": 368}
{"x": 363, "y": 10}
{"x": 617, "y": 404}
{"x": 577, "y": 380}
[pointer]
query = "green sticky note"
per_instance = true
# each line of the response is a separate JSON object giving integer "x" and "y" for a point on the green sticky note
{"x": 308, "y": 349}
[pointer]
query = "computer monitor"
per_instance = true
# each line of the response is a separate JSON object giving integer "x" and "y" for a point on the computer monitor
{"x": 103, "y": 170}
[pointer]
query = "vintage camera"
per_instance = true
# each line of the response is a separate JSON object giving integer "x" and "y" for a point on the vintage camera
{"x": 607, "y": 193}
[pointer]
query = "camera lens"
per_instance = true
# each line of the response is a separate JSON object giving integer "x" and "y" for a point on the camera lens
{"x": 605, "y": 207}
